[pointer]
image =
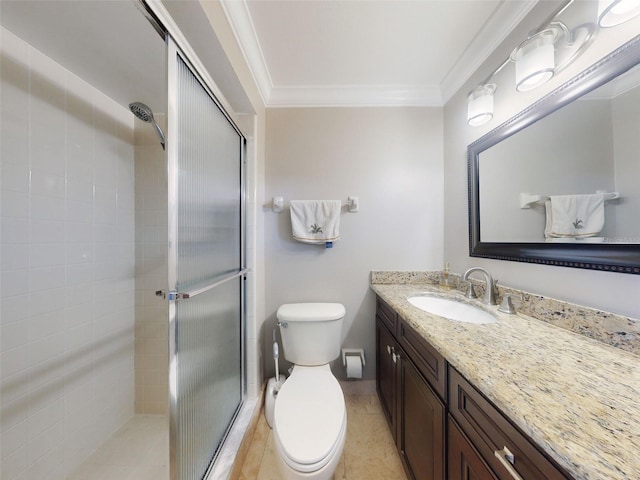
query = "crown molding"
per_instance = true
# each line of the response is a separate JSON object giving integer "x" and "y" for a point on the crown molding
{"x": 495, "y": 30}
{"x": 506, "y": 16}
{"x": 237, "y": 13}
{"x": 356, "y": 96}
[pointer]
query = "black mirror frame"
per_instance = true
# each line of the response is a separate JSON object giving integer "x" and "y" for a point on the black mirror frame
{"x": 622, "y": 258}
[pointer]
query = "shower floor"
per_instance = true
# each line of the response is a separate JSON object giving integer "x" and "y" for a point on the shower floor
{"x": 138, "y": 451}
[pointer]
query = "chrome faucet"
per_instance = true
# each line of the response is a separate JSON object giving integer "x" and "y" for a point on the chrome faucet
{"x": 489, "y": 293}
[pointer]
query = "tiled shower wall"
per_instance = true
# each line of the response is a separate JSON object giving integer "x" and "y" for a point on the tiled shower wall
{"x": 67, "y": 263}
{"x": 152, "y": 344}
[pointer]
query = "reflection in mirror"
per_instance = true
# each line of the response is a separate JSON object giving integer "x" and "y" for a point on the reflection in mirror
{"x": 581, "y": 139}
{"x": 589, "y": 146}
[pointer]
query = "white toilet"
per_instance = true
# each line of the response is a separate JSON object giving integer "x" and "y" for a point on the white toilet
{"x": 310, "y": 419}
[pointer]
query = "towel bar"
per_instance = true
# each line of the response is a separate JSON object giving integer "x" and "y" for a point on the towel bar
{"x": 527, "y": 200}
{"x": 352, "y": 204}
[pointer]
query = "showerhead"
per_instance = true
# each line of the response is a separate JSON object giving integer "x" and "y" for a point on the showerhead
{"x": 144, "y": 113}
{"x": 141, "y": 111}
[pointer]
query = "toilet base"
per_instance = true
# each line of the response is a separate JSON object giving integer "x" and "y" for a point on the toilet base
{"x": 270, "y": 398}
{"x": 324, "y": 473}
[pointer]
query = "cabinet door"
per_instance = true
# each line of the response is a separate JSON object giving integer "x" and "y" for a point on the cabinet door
{"x": 421, "y": 429}
{"x": 464, "y": 462}
{"x": 386, "y": 374}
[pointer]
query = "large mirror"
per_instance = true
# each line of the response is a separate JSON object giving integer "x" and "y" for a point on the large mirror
{"x": 583, "y": 138}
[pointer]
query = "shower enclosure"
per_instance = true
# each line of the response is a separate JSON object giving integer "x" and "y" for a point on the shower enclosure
{"x": 206, "y": 270}
{"x": 97, "y": 217}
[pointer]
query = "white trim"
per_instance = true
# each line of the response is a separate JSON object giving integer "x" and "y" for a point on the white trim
{"x": 495, "y": 30}
{"x": 183, "y": 44}
{"x": 239, "y": 18}
{"x": 356, "y": 95}
{"x": 504, "y": 18}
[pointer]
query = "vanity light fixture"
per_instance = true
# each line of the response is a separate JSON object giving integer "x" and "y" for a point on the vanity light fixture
{"x": 535, "y": 60}
{"x": 548, "y": 51}
{"x": 480, "y": 104}
{"x": 614, "y": 12}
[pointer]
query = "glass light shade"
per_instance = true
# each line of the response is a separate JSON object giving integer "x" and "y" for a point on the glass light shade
{"x": 535, "y": 61}
{"x": 480, "y": 105}
{"x": 615, "y": 12}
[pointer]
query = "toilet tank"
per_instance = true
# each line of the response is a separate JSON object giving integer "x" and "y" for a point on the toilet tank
{"x": 311, "y": 332}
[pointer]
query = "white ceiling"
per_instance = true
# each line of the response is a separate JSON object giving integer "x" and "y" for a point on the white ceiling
{"x": 368, "y": 52}
{"x": 111, "y": 45}
{"x": 301, "y": 52}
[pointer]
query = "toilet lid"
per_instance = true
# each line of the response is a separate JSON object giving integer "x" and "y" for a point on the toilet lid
{"x": 310, "y": 312}
{"x": 309, "y": 414}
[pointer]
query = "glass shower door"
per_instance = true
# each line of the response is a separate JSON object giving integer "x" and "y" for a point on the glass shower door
{"x": 206, "y": 271}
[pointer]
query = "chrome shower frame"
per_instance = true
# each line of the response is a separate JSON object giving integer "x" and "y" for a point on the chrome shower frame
{"x": 174, "y": 51}
{"x": 177, "y": 45}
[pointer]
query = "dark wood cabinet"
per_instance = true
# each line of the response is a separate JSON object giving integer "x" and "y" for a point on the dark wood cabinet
{"x": 507, "y": 450}
{"x": 475, "y": 441}
{"x": 429, "y": 362}
{"x": 386, "y": 376}
{"x": 386, "y": 315}
{"x": 421, "y": 425}
{"x": 415, "y": 413}
{"x": 464, "y": 461}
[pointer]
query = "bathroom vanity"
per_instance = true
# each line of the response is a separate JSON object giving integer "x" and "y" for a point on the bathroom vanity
{"x": 403, "y": 361}
{"x": 517, "y": 398}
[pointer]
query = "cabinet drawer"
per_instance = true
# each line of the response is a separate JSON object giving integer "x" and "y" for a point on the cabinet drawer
{"x": 491, "y": 432}
{"x": 430, "y": 363}
{"x": 387, "y": 314}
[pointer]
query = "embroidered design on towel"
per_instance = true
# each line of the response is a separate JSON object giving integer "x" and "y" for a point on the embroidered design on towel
{"x": 315, "y": 221}
{"x": 574, "y": 216}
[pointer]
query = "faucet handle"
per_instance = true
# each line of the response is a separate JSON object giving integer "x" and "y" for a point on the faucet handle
{"x": 507, "y": 306}
{"x": 470, "y": 291}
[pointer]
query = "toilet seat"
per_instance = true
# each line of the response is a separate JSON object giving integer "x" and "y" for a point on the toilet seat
{"x": 309, "y": 418}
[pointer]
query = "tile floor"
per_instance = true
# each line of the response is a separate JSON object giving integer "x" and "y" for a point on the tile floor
{"x": 369, "y": 452}
{"x": 138, "y": 451}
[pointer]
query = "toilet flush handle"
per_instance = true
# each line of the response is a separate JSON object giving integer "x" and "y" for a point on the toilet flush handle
{"x": 283, "y": 324}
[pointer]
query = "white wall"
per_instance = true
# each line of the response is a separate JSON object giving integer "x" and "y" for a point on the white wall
{"x": 604, "y": 290}
{"x": 524, "y": 163}
{"x": 152, "y": 245}
{"x": 255, "y": 248}
{"x": 626, "y": 145}
{"x": 67, "y": 291}
{"x": 391, "y": 159}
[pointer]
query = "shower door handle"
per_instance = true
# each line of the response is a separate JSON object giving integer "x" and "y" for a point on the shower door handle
{"x": 193, "y": 293}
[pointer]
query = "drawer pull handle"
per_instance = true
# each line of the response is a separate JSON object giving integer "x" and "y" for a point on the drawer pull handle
{"x": 389, "y": 349}
{"x": 396, "y": 357}
{"x": 506, "y": 459}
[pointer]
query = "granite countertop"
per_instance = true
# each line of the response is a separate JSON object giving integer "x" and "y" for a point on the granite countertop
{"x": 577, "y": 398}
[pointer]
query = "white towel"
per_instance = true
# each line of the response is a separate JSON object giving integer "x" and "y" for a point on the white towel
{"x": 575, "y": 240}
{"x": 315, "y": 221}
{"x": 574, "y": 216}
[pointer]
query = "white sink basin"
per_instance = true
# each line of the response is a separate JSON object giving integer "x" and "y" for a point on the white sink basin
{"x": 451, "y": 309}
